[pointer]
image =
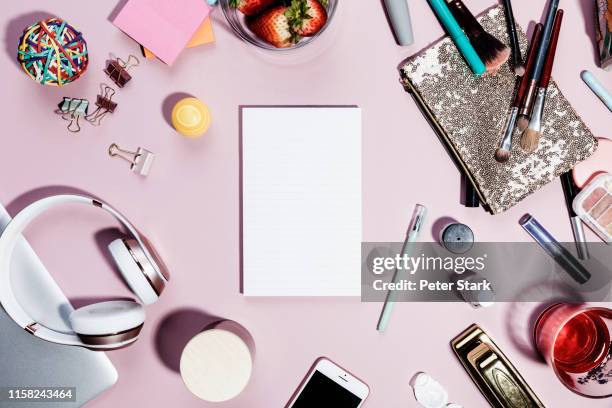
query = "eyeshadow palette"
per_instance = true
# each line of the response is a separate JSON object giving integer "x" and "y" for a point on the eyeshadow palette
{"x": 594, "y": 206}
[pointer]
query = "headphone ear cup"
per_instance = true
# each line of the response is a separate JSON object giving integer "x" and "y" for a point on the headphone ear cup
{"x": 132, "y": 272}
{"x": 111, "y": 324}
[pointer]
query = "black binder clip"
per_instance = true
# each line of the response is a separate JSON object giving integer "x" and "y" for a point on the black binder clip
{"x": 117, "y": 70}
{"x": 104, "y": 103}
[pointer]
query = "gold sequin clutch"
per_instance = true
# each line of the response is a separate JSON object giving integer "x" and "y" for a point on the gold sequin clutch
{"x": 469, "y": 113}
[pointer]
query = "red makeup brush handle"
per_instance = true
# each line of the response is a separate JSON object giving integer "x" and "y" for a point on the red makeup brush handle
{"x": 552, "y": 49}
{"x": 531, "y": 56}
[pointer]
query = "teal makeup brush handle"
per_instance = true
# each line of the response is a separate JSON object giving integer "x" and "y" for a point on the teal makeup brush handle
{"x": 459, "y": 37}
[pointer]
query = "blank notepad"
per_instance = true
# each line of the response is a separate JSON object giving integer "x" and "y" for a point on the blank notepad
{"x": 301, "y": 201}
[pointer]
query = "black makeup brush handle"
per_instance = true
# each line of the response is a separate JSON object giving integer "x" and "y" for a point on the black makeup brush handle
{"x": 465, "y": 18}
{"x": 514, "y": 44}
{"x": 471, "y": 196}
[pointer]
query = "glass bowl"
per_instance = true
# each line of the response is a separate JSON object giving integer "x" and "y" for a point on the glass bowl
{"x": 237, "y": 21}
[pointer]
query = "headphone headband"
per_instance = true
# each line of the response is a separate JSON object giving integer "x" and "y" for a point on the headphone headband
{"x": 8, "y": 241}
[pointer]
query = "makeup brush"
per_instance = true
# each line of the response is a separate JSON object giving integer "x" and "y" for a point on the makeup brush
{"x": 531, "y": 137}
{"x": 536, "y": 37}
{"x": 517, "y": 59}
{"x": 534, "y": 77}
{"x": 493, "y": 52}
{"x": 502, "y": 154}
{"x": 459, "y": 38}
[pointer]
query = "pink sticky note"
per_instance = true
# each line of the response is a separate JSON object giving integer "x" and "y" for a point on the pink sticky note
{"x": 163, "y": 26}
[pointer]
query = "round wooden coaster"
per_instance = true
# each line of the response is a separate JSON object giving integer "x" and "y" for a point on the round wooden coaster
{"x": 216, "y": 365}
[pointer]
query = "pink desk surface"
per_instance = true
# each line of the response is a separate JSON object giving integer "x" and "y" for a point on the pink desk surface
{"x": 189, "y": 204}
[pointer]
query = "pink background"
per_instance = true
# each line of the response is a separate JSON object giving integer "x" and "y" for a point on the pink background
{"x": 189, "y": 204}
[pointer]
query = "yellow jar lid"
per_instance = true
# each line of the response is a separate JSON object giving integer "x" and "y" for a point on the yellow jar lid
{"x": 190, "y": 117}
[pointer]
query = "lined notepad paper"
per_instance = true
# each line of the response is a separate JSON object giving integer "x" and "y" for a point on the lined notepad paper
{"x": 301, "y": 201}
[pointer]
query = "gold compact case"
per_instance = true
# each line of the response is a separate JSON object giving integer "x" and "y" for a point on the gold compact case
{"x": 493, "y": 373}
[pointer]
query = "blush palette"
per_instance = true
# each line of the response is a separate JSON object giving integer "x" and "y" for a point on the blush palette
{"x": 594, "y": 206}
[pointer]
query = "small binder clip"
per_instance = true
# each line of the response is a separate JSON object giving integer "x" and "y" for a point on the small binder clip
{"x": 117, "y": 70}
{"x": 140, "y": 160}
{"x": 104, "y": 103}
{"x": 72, "y": 109}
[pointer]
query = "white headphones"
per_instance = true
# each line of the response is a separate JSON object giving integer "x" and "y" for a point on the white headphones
{"x": 101, "y": 326}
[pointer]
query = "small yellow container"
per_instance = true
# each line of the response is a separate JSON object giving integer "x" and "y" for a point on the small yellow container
{"x": 190, "y": 117}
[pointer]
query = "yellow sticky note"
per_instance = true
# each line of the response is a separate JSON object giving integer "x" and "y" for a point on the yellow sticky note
{"x": 203, "y": 35}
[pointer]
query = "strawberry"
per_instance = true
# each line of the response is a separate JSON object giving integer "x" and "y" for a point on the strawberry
{"x": 250, "y": 7}
{"x": 272, "y": 26}
{"x": 307, "y": 17}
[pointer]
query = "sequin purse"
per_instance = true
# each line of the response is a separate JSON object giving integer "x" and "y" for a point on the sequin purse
{"x": 468, "y": 115}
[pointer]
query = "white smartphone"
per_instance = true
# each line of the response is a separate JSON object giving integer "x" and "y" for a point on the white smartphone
{"x": 329, "y": 385}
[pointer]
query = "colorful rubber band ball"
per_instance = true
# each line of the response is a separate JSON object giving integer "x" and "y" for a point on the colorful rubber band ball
{"x": 52, "y": 52}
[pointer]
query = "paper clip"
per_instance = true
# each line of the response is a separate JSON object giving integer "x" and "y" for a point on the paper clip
{"x": 140, "y": 160}
{"x": 104, "y": 103}
{"x": 72, "y": 109}
{"x": 117, "y": 70}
